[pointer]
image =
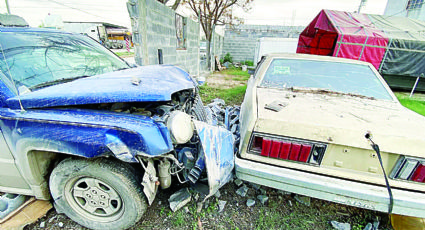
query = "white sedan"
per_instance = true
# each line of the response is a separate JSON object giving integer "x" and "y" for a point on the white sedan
{"x": 332, "y": 129}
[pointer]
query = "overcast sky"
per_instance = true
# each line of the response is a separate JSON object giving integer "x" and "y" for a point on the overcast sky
{"x": 267, "y": 12}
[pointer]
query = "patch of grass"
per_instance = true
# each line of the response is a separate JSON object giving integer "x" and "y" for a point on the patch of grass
{"x": 178, "y": 219}
{"x": 412, "y": 104}
{"x": 125, "y": 54}
{"x": 235, "y": 72}
{"x": 232, "y": 96}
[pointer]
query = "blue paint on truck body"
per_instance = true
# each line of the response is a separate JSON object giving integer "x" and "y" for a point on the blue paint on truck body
{"x": 48, "y": 124}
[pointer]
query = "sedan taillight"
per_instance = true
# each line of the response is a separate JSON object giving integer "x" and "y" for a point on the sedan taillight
{"x": 409, "y": 168}
{"x": 287, "y": 148}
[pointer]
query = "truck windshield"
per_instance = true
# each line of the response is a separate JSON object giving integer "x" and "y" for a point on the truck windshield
{"x": 32, "y": 59}
{"x": 346, "y": 78}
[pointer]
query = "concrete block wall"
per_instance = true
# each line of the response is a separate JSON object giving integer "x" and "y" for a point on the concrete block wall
{"x": 154, "y": 28}
{"x": 240, "y": 41}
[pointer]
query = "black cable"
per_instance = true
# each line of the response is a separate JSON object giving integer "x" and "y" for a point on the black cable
{"x": 378, "y": 152}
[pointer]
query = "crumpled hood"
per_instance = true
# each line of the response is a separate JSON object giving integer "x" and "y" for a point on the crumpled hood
{"x": 157, "y": 83}
{"x": 342, "y": 120}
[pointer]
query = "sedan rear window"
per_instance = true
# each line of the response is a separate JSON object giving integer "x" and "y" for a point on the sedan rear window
{"x": 338, "y": 77}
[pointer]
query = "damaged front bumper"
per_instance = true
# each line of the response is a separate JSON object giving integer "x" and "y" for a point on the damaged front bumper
{"x": 346, "y": 192}
{"x": 216, "y": 154}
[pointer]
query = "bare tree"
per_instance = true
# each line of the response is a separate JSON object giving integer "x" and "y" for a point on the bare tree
{"x": 216, "y": 12}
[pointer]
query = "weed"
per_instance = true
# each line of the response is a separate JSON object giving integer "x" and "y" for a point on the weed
{"x": 162, "y": 211}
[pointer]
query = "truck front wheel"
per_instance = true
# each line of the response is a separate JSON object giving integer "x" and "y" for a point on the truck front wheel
{"x": 98, "y": 194}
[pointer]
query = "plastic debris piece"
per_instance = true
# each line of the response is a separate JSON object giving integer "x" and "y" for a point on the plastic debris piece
{"x": 218, "y": 147}
{"x": 340, "y": 226}
{"x": 221, "y": 205}
{"x": 179, "y": 199}
{"x": 368, "y": 226}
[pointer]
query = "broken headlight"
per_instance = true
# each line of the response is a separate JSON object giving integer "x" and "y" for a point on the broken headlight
{"x": 180, "y": 126}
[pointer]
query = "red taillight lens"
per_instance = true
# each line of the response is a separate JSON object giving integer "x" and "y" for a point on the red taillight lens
{"x": 305, "y": 153}
{"x": 419, "y": 174}
{"x": 295, "y": 152}
{"x": 267, "y": 145}
{"x": 275, "y": 149}
{"x": 284, "y": 150}
{"x": 288, "y": 149}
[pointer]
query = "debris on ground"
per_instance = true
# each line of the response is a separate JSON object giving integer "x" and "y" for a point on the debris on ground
{"x": 263, "y": 199}
{"x": 250, "y": 202}
{"x": 340, "y": 226}
{"x": 305, "y": 200}
{"x": 242, "y": 191}
{"x": 221, "y": 205}
{"x": 238, "y": 182}
{"x": 368, "y": 226}
{"x": 284, "y": 192}
{"x": 179, "y": 199}
{"x": 256, "y": 186}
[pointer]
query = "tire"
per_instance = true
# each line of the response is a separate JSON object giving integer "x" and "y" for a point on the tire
{"x": 98, "y": 194}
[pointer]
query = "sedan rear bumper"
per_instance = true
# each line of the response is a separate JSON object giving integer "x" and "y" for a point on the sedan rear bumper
{"x": 341, "y": 191}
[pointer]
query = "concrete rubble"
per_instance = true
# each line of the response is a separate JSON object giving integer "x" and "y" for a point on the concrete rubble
{"x": 238, "y": 182}
{"x": 179, "y": 199}
{"x": 242, "y": 191}
{"x": 250, "y": 202}
{"x": 263, "y": 199}
{"x": 9, "y": 202}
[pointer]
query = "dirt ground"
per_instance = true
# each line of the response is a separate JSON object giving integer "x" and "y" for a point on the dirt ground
{"x": 281, "y": 211}
{"x": 223, "y": 81}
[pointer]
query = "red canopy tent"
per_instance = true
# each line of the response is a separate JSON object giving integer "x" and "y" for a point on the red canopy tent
{"x": 394, "y": 45}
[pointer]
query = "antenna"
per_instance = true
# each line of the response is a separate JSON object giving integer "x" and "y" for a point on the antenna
{"x": 11, "y": 78}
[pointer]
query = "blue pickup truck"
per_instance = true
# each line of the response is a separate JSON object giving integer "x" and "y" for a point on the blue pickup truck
{"x": 82, "y": 127}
